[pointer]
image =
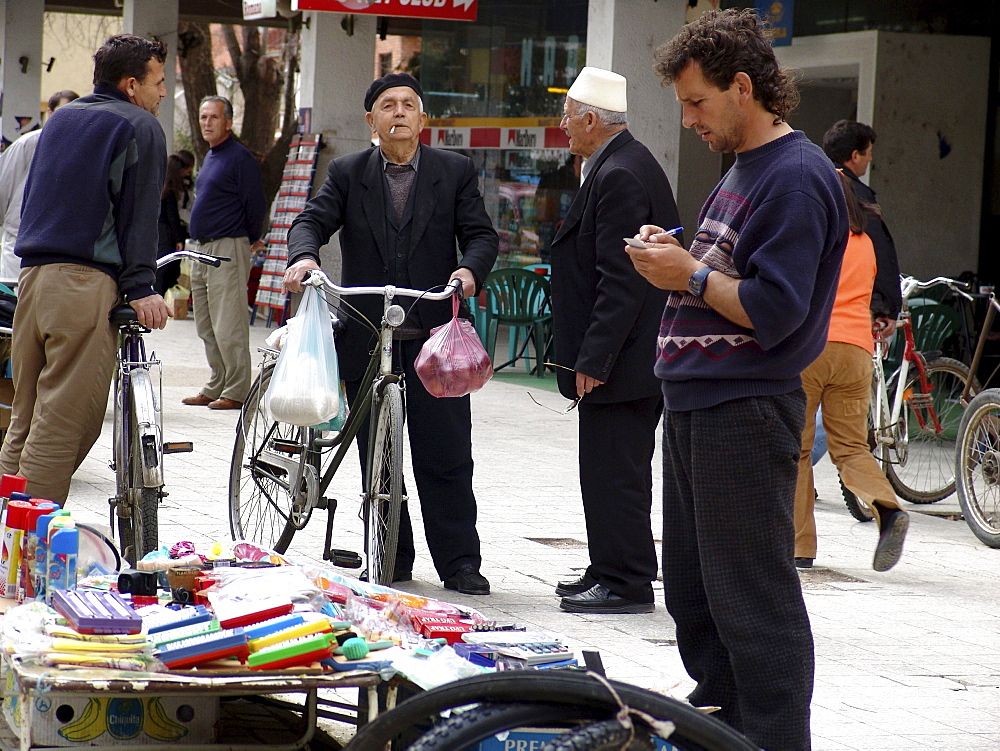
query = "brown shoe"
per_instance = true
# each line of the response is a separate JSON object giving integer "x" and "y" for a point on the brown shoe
{"x": 224, "y": 403}
{"x": 199, "y": 400}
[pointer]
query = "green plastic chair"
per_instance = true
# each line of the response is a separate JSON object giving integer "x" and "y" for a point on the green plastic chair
{"x": 933, "y": 322}
{"x": 519, "y": 299}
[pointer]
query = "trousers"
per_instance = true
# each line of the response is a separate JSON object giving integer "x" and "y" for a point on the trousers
{"x": 63, "y": 357}
{"x": 617, "y": 441}
{"x": 729, "y": 577}
{"x": 841, "y": 381}
{"x": 440, "y": 433}
{"x": 221, "y": 318}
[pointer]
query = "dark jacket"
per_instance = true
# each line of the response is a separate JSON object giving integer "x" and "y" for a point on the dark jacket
{"x": 93, "y": 192}
{"x": 606, "y": 316}
{"x": 447, "y": 207}
{"x": 887, "y": 298}
{"x": 172, "y": 231}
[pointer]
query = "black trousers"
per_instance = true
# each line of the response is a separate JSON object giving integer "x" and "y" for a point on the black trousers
{"x": 617, "y": 442}
{"x": 729, "y": 575}
{"x": 440, "y": 433}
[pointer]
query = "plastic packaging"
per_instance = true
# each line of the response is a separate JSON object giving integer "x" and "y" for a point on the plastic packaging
{"x": 453, "y": 361}
{"x": 29, "y": 545}
{"x": 305, "y": 383}
{"x": 64, "y": 545}
{"x": 10, "y": 557}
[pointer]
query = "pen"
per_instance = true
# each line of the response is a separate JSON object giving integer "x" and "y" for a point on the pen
{"x": 673, "y": 231}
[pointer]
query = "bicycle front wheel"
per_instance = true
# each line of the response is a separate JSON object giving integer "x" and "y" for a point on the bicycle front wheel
{"x": 977, "y": 467}
{"x": 932, "y": 411}
{"x": 274, "y": 474}
{"x": 383, "y": 497}
{"x": 139, "y": 469}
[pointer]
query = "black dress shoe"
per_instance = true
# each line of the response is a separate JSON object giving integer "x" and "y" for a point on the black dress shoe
{"x": 892, "y": 534}
{"x": 468, "y": 581}
{"x": 803, "y": 563}
{"x": 600, "y": 599}
{"x": 575, "y": 587}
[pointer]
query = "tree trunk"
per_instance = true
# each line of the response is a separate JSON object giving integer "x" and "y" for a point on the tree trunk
{"x": 198, "y": 74}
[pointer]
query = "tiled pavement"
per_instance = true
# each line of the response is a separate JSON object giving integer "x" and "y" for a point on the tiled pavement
{"x": 905, "y": 659}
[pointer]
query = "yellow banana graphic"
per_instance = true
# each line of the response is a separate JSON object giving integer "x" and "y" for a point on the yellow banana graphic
{"x": 89, "y": 725}
{"x": 158, "y": 725}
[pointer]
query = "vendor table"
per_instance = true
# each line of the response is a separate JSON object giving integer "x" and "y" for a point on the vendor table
{"x": 32, "y": 683}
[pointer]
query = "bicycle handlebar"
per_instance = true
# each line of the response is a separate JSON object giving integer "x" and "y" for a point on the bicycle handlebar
{"x": 197, "y": 255}
{"x": 911, "y": 285}
{"x": 318, "y": 278}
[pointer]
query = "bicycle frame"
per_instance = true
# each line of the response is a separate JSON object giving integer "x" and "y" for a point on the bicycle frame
{"x": 302, "y": 470}
{"x": 991, "y": 312}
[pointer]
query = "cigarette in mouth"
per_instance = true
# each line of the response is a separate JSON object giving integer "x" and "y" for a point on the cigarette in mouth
{"x": 392, "y": 130}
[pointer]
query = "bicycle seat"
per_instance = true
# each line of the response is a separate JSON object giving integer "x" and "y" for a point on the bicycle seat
{"x": 122, "y": 314}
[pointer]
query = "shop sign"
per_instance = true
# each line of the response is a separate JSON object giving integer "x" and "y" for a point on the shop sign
{"x": 441, "y": 10}
{"x": 494, "y": 138}
{"x": 778, "y": 15}
{"x": 256, "y": 9}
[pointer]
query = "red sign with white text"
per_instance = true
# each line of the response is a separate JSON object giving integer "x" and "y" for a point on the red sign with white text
{"x": 443, "y": 10}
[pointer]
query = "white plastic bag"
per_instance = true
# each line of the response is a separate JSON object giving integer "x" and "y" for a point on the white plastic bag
{"x": 305, "y": 384}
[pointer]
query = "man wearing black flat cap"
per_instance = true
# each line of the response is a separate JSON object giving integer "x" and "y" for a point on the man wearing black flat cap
{"x": 401, "y": 208}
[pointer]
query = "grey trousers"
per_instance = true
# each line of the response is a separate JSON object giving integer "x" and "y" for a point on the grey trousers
{"x": 222, "y": 319}
{"x": 728, "y": 571}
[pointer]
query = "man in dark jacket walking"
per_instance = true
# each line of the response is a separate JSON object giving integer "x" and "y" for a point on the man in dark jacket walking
{"x": 87, "y": 239}
{"x": 606, "y": 318}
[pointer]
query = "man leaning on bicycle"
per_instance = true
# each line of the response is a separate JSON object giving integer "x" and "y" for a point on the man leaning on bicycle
{"x": 400, "y": 207}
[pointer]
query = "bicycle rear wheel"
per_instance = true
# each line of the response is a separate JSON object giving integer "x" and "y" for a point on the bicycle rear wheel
{"x": 273, "y": 475}
{"x": 978, "y": 467}
{"x": 383, "y": 497}
{"x": 925, "y": 471}
{"x": 138, "y": 464}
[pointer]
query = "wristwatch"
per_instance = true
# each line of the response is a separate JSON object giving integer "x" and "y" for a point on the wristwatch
{"x": 696, "y": 284}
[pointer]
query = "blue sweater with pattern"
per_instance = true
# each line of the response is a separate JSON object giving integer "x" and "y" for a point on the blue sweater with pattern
{"x": 778, "y": 222}
{"x": 93, "y": 192}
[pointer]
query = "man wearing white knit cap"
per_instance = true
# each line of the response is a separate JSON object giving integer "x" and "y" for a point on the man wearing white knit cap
{"x": 606, "y": 319}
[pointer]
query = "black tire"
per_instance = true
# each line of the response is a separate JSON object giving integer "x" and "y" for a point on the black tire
{"x": 694, "y": 729}
{"x": 977, "y": 467}
{"x": 607, "y": 735}
{"x": 138, "y": 533}
{"x": 383, "y": 497}
{"x": 858, "y": 508}
{"x": 260, "y": 499}
{"x": 926, "y": 471}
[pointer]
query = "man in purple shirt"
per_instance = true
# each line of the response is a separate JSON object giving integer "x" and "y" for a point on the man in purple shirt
{"x": 227, "y": 220}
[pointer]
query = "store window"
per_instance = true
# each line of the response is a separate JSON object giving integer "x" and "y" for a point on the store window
{"x": 494, "y": 90}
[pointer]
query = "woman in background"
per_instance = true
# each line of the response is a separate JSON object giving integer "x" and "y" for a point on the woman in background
{"x": 173, "y": 229}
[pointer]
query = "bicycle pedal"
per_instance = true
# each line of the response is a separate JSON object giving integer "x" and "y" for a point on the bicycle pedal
{"x": 178, "y": 447}
{"x": 343, "y": 558}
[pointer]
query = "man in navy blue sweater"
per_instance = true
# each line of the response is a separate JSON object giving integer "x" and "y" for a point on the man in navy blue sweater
{"x": 749, "y": 309}
{"x": 87, "y": 239}
{"x": 227, "y": 219}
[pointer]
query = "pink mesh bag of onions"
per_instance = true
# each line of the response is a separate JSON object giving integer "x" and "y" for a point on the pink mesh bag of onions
{"x": 453, "y": 362}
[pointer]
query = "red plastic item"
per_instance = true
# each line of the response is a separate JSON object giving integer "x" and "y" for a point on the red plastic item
{"x": 12, "y": 484}
{"x": 453, "y": 362}
{"x": 234, "y": 618}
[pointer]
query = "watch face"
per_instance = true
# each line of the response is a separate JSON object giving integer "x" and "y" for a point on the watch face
{"x": 696, "y": 284}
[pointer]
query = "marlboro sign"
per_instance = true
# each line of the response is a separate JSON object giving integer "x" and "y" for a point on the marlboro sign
{"x": 440, "y": 10}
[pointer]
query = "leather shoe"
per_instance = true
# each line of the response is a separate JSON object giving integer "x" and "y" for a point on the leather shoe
{"x": 575, "y": 587}
{"x": 225, "y": 403}
{"x": 803, "y": 563}
{"x": 198, "y": 400}
{"x": 600, "y": 599}
{"x": 892, "y": 534}
{"x": 468, "y": 581}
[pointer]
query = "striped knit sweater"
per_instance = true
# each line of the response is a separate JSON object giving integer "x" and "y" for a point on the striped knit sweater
{"x": 777, "y": 221}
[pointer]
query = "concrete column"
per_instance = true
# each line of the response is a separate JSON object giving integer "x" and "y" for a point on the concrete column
{"x": 336, "y": 70}
{"x": 21, "y": 83}
{"x": 621, "y": 36}
{"x": 157, "y": 20}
